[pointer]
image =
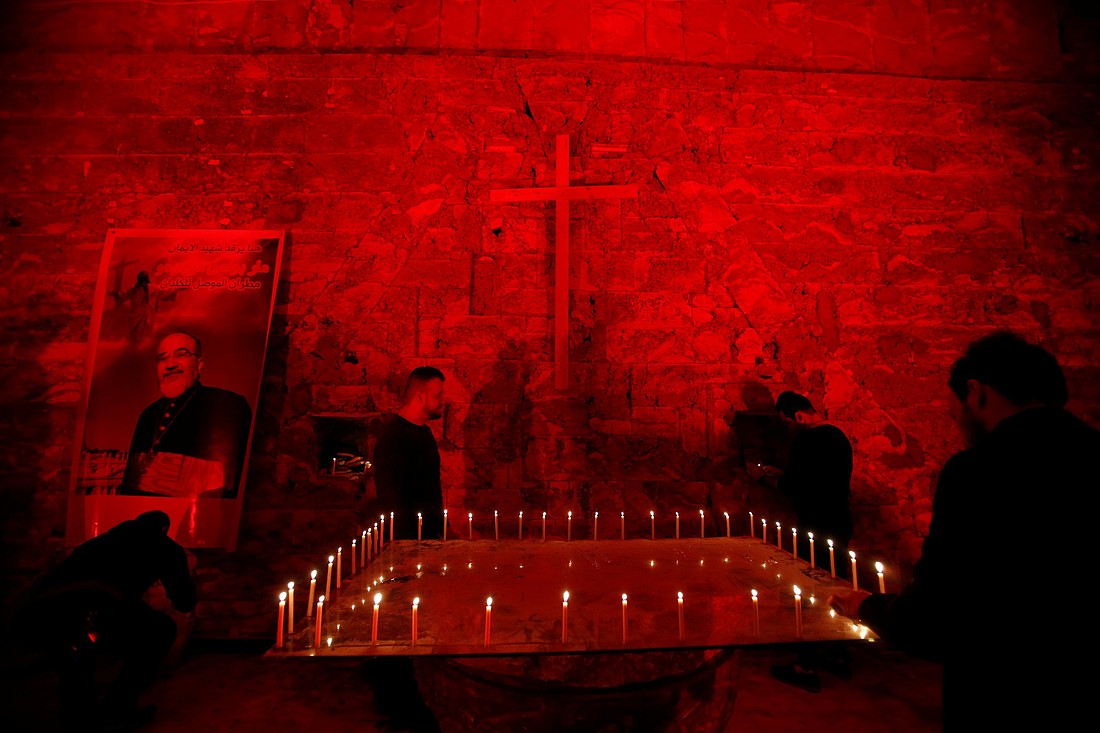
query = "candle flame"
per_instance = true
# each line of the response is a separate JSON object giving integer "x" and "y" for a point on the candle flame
{"x": 797, "y": 592}
{"x": 677, "y": 515}
{"x": 830, "y": 544}
{"x": 754, "y": 594}
{"x": 331, "y": 558}
{"x": 878, "y": 568}
{"x": 680, "y": 596}
{"x": 330, "y": 641}
{"x": 282, "y": 596}
{"x": 488, "y": 602}
{"x": 651, "y": 514}
{"x": 565, "y": 597}
{"x": 419, "y": 515}
{"x": 321, "y": 600}
{"x": 377, "y": 598}
{"x": 727, "y": 514}
{"x": 810, "y": 535}
{"x": 470, "y": 515}
{"x": 313, "y": 575}
{"x": 570, "y": 515}
{"x": 700, "y": 512}
{"x": 624, "y": 597}
{"x": 852, "y": 554}
{"x": 290, "y": 585}
{"x": 416, "y": 601}
{"x": 339, "y": 550}
{"x": 597, "y": 514}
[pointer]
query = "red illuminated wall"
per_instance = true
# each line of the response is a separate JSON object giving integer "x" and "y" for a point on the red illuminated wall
{"x": 835, "y": 197}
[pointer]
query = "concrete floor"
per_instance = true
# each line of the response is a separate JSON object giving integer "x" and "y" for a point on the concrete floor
{"x": 213, "y": 688}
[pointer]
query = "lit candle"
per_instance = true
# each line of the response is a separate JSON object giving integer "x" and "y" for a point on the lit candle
{"x": 622, "y": 525}
{"x": 279, "y": 627}
{"x": 595, "y": 526}
{"x": 728, "y": 523}
{"x": 470, "y": 520}
{"x": 794, "y": 542}
{"x": 312, "y": 591}
{"x": 652, "y": 531}
{"x": 317, "y": 624}
{"x": 544, "y": 526}
{"x": 701, "y": 525}
{"x": 354, "y": 552}
{"x": 377, "y": 540}
{"x": 374, "y": 620}
{"x": 521, "y": 525}
{"x": 564, "y": 616}
{"x": 419, "y": 526}
{"x": 391, "y": 526}
{"x": 416, "y": 605}
{"x": 677, "y": 525}
{"x": 363, "y": 550}
{"x": 334, "y": 465}
{"x": 764, "y": 530}
{"x": 811, "y": 536}
{"x": 752, "y": 527}
{"x": 444, "y": 524}
{"x": 328, "y": 578}
{"x": 624, "y": 618}
{"x": 339, "y": 554}
{"x": 832, "y": 560}
{"x": 798, "y": 611}
{"x": 370, "y": 544}
{"x": 382, "y": 534}
{"x": 855, "y": 581}
{"x": 496, "y": 525}
{"x": 290, "y": 607}
{"x": 488, "y": 617}
{"x": 755, "y": 612}
{"x": 779, "y": 535}
{"x": 881, "y": 579}
{"x": 680, "y": 608}
{"x": 569, "y": 527}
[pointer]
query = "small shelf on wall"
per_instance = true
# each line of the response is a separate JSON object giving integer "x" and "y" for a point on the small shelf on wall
{"x": 347, "y": 437}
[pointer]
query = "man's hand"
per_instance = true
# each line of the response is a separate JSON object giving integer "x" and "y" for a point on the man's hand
{"x": 847, "y": 604}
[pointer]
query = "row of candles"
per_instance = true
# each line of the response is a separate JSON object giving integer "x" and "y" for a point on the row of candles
{"x": 374, "y": 538}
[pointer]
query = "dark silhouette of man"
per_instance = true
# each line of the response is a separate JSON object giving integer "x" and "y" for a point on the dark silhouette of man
{"x": 192, "y": 441}
{"x": 91, "y": 604}
{"x": 817, "y": 478}
{"x": 998, "y": 594}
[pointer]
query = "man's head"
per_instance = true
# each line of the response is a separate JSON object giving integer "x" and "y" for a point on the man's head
{"x": 179, "y": 363}
{"x": 423, "y": 395}
{"x": 1001, "y": 374}
{"x": 154, "y": 520}
{"x": 795, "y": 407}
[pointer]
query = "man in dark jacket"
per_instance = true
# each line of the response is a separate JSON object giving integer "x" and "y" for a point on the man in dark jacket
{"x": 92, "y": 603}
{"x": 994, "y": 595}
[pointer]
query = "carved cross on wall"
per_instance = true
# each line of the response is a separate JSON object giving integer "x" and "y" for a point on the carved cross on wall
{"x": 561, "y": 193}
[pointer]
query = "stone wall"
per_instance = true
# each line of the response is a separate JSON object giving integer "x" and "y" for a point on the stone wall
{"x": 834, "y": 198}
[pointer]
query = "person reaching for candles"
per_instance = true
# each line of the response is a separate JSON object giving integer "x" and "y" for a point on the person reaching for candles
{"x": 817, "y": 479}
{"x": 92, "y": 605}
{"x": 1004, "y": 667}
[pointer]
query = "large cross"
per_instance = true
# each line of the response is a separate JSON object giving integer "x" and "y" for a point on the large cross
{"x": 561, "y": 193}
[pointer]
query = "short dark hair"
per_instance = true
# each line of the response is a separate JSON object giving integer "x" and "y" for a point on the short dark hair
{"x": 154, "y": 519}
{"x": 788, "y": 403}
{"x": 1021, "y": 372}
{"x": 419, "y": 377}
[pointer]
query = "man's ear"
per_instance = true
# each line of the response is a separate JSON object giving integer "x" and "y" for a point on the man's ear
{"x": 975, "y": 394}
{"x": 800, "y": 418}
{"x": 198, "y": 366}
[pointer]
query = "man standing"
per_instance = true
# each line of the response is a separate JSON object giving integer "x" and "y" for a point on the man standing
{"x": 192, "y": 441}
{"x": 968, "y": 605}
{"x": 818, "y": 481}
{"x": 406, "y": 459}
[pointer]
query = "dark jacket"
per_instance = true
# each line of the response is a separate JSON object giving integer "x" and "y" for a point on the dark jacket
{"x": 406, "y": 476}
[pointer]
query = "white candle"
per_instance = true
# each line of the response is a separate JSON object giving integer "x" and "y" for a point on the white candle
{"x": 764, "y": 530}
{"x": 855, "y": 581}
{"x": 752, "y": 527}
{"x": 811, "y": 536}
{"x": 832, "y": 560}
{"x": 595, "y": 526}
{"x": 354, "y": 552}
{"x": 381, "y": 534}
{"x": 624, "y": 618}
{"x": 680, "y": 609}
{"x": 391, "y": 526}
{"x": 339, "y": 554}
{"x": 622, "y": 525}
{"x": 444, "y": 524}
{"x": 470, "y": 520}
{"x": 779, "y": 535}
{"x": 370, "y": 545}
{"x": 488, "y": 617}
{"x": 564, "y": 616}
{"x": 374, "y": 620}
{"x": 569, "y": 527}
{"x": 677, "y": 525}
{"x": 363, "y": 550}
{"x": 377, "y": 540}
{"x": 317, "y": 624}
{"x": 279, "y": 626}
{"x": 794, "y": 542}
{"x": 290, "y": 607}
{"x": 798, "y": 611}
{"x": 755, "y": 612}
{"x": 702, "y": 531}
{"x": 328, "y": 578}
{"x": 419, "y": 526}
{"x": 496, "y": 525}
{"x": 652, "y": 530}
{"x": 544, "y": 526}
{"x": 416, "y": 605}
{"x": 521, "y": 525}
{"x": 728, "y": 523}
{"x": 334, "y": 465}
{"x": 881, "y": 579}
{"x": 312, "y": 591}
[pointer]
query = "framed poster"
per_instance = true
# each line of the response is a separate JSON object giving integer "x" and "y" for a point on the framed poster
{"x": 175, "y": 357}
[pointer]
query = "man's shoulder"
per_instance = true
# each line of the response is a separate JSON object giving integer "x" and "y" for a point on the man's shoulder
{"x": 221, "y": 397}
{"x": 829, "y": 432}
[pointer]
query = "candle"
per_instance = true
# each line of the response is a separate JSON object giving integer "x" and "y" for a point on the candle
{"x": 391, "y": 526}
{"x": 334, "y": 465}
{"x": 755, "y": 612}
{"x": 622, "y": 525}
{"x": 544, "y": 526}
{"x": 353, "y": 554}
{"x": 624, "y": 618}
{"x": 317, "y": 624}
{"x": 290, "y": 607}
{"x": 794, "y": 542}
{"x": 728, "y": 523}
{"x": 798, "y": 611}
{"x": 811, "y": 536}
{"x": 377, "y": 540}
{"x": 677, "y": 525}
{"x": 680, "y": 608}
{"x": 488, "y": 617}
{"x": 374, "y": 620}
{"x": 312, "y": 590}
{"x": 521, "y": 525}
{"x": 779, "y": 535}
{"x": 881, "y": 579}
{"x": 569, "y": 527}
{"x": 470, "y": 521}
{"x": 328, "y": 579}
{"x": 855, "y": 581}
{"x": 595, "y": 526}
{"x": 381, "y": 535}
{"x": 370, "y": 544}
{"x": 496, "y": 526}
{"x": 564, "y": 615}
{"x": 764, "y": 528}
{"x": 701, "y": 526}
{"x": 652, "y": 531}
{"x": 832, "y": 560}
{"x": 752, "y": 527}
{"x": 444, "y": 524}
{"x": 419, "y": 526}
{"x": 363, "y": 550}
{"x": 339, "y": 554}
{"x": 279, "y": 627}
{"x": 416, "y": 605}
